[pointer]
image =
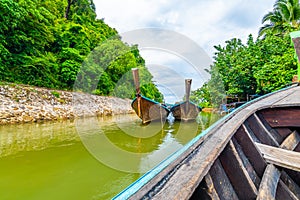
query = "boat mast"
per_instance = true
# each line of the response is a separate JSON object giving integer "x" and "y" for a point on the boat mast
{"x": 188, "y": 83}
{"x": 135, "y": 73}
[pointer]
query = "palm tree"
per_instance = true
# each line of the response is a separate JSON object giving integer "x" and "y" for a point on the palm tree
{"x": 285, "y": 16}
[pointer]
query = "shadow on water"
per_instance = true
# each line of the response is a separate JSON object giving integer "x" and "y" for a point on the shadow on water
{"x": 51, "y": 160}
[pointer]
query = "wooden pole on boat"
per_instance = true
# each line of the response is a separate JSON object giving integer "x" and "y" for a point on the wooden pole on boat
{"x": 135, "y": 73}
{"x": 188, "y": 83}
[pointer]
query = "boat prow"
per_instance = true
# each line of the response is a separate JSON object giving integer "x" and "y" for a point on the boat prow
{"x": 149, "y": 110}
{"x": 186, "y": 111}
{"x": 145, "y": 108}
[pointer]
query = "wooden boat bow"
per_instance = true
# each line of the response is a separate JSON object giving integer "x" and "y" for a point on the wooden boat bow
{"x": 146, "y": 109}
{"x": 186, "y": 110}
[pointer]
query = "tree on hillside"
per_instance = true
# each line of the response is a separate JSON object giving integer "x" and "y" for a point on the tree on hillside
{"x": 40, "y": 47}
{"x": 82, "y": 8}
{"x": 284, "y": 17}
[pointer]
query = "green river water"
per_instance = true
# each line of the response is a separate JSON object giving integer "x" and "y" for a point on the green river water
{"x": 92, "y": 158}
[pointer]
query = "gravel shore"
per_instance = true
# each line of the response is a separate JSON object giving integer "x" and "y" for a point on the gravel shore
{"x": 22, "y": 104}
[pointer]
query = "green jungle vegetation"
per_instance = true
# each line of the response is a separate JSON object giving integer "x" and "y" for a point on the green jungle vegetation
{"x": 59, "y": 43}
{"x": 258, "y": 67}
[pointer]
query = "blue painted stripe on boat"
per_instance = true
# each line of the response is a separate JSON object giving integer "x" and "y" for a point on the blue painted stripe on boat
{"x": 178, "y": 104}
{"x": 150, "y": 101}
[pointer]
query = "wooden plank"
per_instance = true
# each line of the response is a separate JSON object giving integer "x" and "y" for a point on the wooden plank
{"x": 211, "y": 189}
{"x": 294, "y": 175}
{"x": 221, "y": 182}
{"x": 284, "y": 132}
{"x": 271, "y": 130}
{"x": 248, "y": 130}
{"x": 250, "y": 150}
{"x": 260, "y": 131}
{"x": 291, "y": 141}
{"x": 280, "y": 157}
{"x": 282, "y": 117}
{"x": 293, "y": 99}
{"x": 284, "y": 193}
{"x": 205, "y": 190}
{"x": 269, "y": 182}
{"x": 236, "y": 172}
{"x": 290, "y": 183}
{"x": 254, "y": 177}
{"x": 297, "y": 148}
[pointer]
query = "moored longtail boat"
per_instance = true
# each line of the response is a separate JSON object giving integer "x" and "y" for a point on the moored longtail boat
{"x": 252, "y": 153}
{"x": 145, "y": 108}
{"x": 186, "y": 110}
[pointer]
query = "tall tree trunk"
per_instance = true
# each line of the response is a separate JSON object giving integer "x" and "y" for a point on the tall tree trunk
{"x": 68, "y": 9}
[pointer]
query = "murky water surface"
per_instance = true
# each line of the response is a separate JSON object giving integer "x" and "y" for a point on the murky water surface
{"x": 92, "y": 158}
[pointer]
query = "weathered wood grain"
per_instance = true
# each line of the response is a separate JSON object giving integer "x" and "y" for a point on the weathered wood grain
{"x": 250, "y": 150}
{"x": 291, "y": 141}
{"x": 284, "y": 193}
{"x": 282, "y": 117}
{"x": 221, "y": 182}
{"x": 237, "y": 173}
{"x": 269, "y": 182}
{"x": 280, "y": 157}
{"x": 260, "y": 131}
{"x": 290, "y": 183}
{"x": 284, "y": 132}
{"x": 148, "y": 110}
{"x": 248, "y": 166}
{"x": 206, "y": 190}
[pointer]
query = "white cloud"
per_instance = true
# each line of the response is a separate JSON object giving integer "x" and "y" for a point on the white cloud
{"x": 206, "y": 22}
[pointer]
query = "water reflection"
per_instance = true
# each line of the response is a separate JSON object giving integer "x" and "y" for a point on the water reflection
{"x": 36, "y": 136}
{"x": 48, "y": 160}
{"x": 128, "y": 146}
{"x": 123, "y": 131}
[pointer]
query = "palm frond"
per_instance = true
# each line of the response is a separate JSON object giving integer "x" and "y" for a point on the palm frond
{"x": 285, "y": 9}
{"x": 297, "y": 13}
{"x": 264, "y": 29}
{"x": 284, "y": 17}
{"x": 267, "y": 17}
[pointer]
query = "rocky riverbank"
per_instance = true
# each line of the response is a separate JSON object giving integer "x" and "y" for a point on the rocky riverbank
{"x": 21, "y": 104}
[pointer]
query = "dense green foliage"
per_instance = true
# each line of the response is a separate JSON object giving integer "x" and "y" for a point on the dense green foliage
{"x": 245, "y": 69}
{"x": 47, "y": 43}
{"x": 257, "y": 67}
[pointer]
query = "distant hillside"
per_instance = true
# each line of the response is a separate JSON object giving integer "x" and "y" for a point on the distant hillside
{"x": 45, "y": 43}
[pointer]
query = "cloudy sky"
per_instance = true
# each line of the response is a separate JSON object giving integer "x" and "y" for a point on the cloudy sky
{"x": 196, "y": 22}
